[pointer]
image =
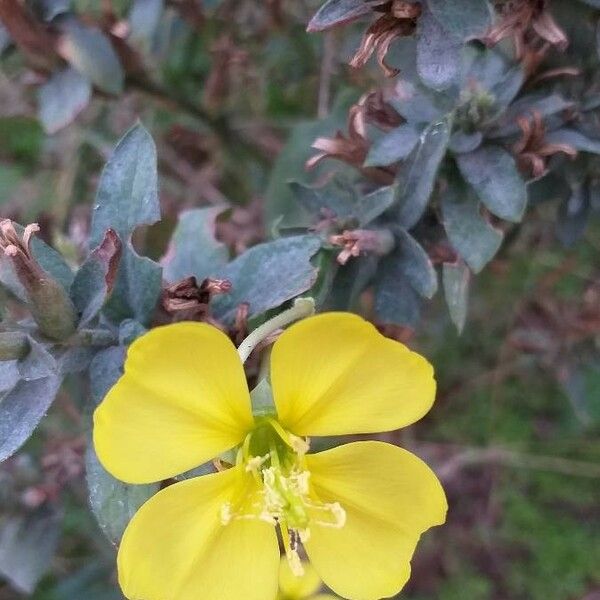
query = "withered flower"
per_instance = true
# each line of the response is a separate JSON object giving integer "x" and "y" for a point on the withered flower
{"x": 186, "y": 300}
{"x": 532, "y": 151}
{"x": 526, "y": 21}
{"x": 399, "y": 19}
{"x": 353, "y": 148}
{"x": 47, "y": 300}
{"x": 362, "y": 241}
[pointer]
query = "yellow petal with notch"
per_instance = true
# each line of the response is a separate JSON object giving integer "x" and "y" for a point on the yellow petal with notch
{"x": 390, "y": 497}
{"x": 176, "y": 547}
{"x": 182, "y": 400}
{"x": 336, "y": 374}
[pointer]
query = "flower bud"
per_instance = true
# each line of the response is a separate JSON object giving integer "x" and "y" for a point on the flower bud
{"x": 48, "y": 301}
{"x": 13, "y": 345}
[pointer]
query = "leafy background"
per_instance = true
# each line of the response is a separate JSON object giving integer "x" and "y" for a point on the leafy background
{"x": 233, "y": 94}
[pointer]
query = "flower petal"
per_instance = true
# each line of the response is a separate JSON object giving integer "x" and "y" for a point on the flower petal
{"x": 390, "y": 497}
{"x": 336, "y": 374}
{"x": 294, "y": 587}
{"x": 176, "y": 548}
{"x": 182, "y": 400}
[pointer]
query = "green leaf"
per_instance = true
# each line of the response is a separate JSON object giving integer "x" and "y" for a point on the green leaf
{"x": 341, "y": 197}
{"x": 416, "y": 178}
{"x": 466, "y": 19}
{"x": 456, "y": 279}
{"x": 89, "y": 51}
{"x": 546, "y": 106}
{"x": 128, "y": 190}
{"x": 113, "y": 502}
{"x": 128, "y": 197}
{"x": 39, "y": 362}
{"x": 396, "y": 301}
{"x": 9, "y": 375}
{"x": 373, "y": 205}
{"x": 438, "y": 53}
{"x": 289, "y": 166}
{"x": 21, "y": 410}
{"x": 95, "y": 279}
{"x": 27, "y": 546}
{"x": 338, "y": 196}
{"x": 350, "y": 281}
{"x": 393, "y": 146}
{"x": 574, "y": 138}
{"x": 62, "y": 98}
{"x": 144, "y": 20}
{"x": 470, "y": 234}
{"x": 415, "y": 265}
{"x": 337, "y": 12}
{"x": 194, "y": 250}
{"x": 267, "y": 275}
{"x": 494, "y": 176}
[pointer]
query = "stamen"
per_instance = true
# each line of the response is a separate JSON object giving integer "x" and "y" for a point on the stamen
{"x": 226, "y": 513}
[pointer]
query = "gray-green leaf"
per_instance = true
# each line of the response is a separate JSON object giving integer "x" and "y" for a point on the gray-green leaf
{"x": 456, "y": 278}
{"x": 62, "y": 98}
{"x": 267, "y": 275}
{"x": 416, "y": 178}
{"x": 494, "y": 176}
{"x": 194, "y": 250}
{"x": 470, "y": 234}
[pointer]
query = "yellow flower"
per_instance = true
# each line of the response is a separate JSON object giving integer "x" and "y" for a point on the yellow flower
{"x": 303, "y": 587}
{"x": 358, "y": 509}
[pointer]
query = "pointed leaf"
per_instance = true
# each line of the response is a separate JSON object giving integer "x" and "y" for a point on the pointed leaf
{"x": 396, "y": 301}
{"x": 470, "y": 234}
{"x": 573, "y": 138}
{"x": 393, "y": 146}
{"x": 96, "y": 277}
{"x": 337, "y": 12}
{"x": 438, "y": 53}
{"x": 22, "y": 408}
{"x": 456, "y": 278}
{"x": 27, "y": 546}
{"x": 62, "y": 98}
{"x": 89, "y": 51}
{"x": 416, "y": 178}
{"x": 194, "y": 250}
{"x": 415, "y": 264}
{"x": 128, "y": 197}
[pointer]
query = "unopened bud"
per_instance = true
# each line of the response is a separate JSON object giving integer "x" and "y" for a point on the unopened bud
{"x": 13, "y": 345}
{"x": 48, "y": 301}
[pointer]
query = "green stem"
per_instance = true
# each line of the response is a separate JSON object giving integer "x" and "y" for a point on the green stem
{"x": 303, "y": 307}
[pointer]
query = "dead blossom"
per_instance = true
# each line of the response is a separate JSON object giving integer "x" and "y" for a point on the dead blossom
{"x": 532, "y": 151}
{"x": 362, "y": 241}
{"x": 186, "y": 300}
{"x": 526, "y": 21}
{"x": 399, "y": 19}
{"x": 18, "y": 249}
{"x": 354, "y": 147}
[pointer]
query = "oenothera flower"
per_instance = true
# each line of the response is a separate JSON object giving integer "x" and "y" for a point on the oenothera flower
{"x": 357, "y": 509}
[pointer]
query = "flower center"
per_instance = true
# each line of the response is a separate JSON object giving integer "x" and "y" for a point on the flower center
{"x": 283, "y": 496}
